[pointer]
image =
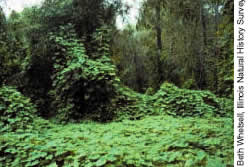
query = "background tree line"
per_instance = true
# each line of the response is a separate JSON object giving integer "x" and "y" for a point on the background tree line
{"x": 188, "y": 43}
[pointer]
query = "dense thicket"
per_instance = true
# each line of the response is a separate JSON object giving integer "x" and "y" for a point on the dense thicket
{"x": 48, "y": 52}
{"x": 166, "y": 84}
{"x": 53, "y": 32}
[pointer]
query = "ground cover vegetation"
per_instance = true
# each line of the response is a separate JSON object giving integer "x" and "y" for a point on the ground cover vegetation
{"x": 76, "y": 91}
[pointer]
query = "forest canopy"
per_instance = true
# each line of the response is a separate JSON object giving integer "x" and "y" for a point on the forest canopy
{"x": 76, "y": 90}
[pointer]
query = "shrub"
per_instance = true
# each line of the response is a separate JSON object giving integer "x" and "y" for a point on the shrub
{"x": 16, "y": 110}
{"x": 185, "y": 102}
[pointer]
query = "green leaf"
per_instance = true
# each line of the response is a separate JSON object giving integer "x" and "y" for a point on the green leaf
{"x": 101, "y": 162}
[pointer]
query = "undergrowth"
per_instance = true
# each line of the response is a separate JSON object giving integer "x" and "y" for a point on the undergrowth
{"x": 154, "y": 141}
{"x": 173, "y": 128}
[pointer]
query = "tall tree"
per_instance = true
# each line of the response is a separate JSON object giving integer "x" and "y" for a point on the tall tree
{"x": 202, "y": 55}
{"x": 159, "y": 40}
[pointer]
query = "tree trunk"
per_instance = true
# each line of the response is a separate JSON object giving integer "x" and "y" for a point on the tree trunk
{"x": 216, "y": 54}
{"x": 202, "y": 75}
{"x": 159, "y": 42}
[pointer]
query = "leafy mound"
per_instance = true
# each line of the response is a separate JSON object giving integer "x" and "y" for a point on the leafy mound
{"x": 129, "y": 104}
{"x": 185, "y": 102}
{"x": 170, "y": 100}
{"x": 154, "y": 141}
{"x": 16, "y": 110}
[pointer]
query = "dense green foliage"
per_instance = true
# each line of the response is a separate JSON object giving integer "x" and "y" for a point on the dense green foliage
{"x": 185, "y": 102}
{"x": 81, "y": 84}
{"x": 16, "y": 110}
{"x": 171, "y": 100}
{"x": 37, "y": 62}
{"x": 75, "y": 91}
{"x": 12, "y": 49}
{"x": 154, "y": 141}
